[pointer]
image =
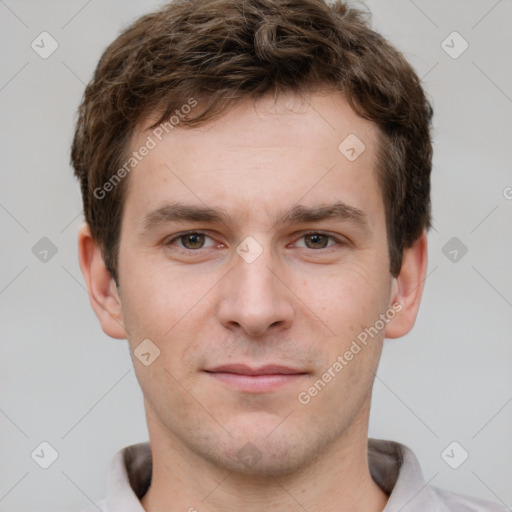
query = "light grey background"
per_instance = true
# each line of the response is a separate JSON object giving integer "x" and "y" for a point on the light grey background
{"x": 63, "y": 381}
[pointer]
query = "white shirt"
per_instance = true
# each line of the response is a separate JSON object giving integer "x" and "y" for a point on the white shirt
{"x": 393, "y": 467}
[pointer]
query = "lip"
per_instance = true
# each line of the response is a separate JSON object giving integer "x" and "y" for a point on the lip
{"x": 249, "y": 379}
{"x": 243, "y": 369}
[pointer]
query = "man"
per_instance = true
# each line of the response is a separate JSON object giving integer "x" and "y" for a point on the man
{"x": 256, "y": 187}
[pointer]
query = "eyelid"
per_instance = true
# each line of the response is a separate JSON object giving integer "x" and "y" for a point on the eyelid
{"x": 177, "y": 236}
{"x": 337, "y": 238}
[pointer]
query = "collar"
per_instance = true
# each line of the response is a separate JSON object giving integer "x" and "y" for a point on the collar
{"x": 393, "y": 466}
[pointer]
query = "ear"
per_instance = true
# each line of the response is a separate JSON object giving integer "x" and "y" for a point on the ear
{"x": 407, "y": 288}
{"x": 101, "y": 286}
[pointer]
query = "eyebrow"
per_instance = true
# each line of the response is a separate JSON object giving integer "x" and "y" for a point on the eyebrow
{"x": 299, "y": 214}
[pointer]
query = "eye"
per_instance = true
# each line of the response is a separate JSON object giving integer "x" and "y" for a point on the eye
{"x": 316, "y": 240}
{"x": 192, "y": 241}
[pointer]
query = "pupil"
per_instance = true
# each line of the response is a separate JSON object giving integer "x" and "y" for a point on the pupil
{"x": 317, "y": 240}
{"x": 194, "y": 241}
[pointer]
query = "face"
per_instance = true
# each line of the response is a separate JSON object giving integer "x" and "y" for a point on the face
{"x": 253, "y": 255}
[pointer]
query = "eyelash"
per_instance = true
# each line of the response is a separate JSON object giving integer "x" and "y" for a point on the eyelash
{"x": 171, "y": 241}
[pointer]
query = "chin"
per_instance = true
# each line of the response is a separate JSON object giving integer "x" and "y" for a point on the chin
{"x": 257, "y": 454}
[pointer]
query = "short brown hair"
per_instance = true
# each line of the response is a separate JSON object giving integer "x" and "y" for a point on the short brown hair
{"x": 224, "y": 51}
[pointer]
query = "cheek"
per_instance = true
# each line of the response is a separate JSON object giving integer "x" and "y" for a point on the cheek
{"x": 156, "y": 301}
{"x": 347, "y": 298}
{"x": 174, "y": 312}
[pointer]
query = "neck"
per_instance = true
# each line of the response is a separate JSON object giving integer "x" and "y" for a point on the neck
{"x": 338, "y": 479}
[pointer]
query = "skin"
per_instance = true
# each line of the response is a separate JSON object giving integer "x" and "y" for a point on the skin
{"x": 298, "y": 304}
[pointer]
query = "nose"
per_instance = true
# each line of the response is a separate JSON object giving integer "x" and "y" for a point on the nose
{"x": 254, "y": 300}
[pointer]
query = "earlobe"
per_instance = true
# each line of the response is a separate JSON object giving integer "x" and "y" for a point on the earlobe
{"x": 103, "y": 294}
{"x": 407, "y": 288}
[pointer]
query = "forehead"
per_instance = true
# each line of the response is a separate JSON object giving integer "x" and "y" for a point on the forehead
{"x": 259, "y": 158}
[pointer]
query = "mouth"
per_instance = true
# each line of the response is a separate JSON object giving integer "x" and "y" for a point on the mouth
{"x": 263, "y": 379}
